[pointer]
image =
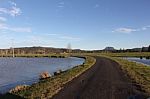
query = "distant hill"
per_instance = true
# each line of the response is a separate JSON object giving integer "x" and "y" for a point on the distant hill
{"x": 109, "y": 49}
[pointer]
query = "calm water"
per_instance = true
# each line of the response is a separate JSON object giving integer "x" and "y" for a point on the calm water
{"x": 14, "y": 71}
{"x": 143, "y": 60}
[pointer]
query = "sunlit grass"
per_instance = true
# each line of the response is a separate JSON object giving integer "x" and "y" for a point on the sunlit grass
{"x": 127, "y": 54}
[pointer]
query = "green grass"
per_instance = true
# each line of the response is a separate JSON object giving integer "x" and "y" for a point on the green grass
{"x": 49, "y": 87}
{"x": 127, "y": 54}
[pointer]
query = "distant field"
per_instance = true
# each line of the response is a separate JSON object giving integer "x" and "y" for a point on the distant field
{"x": 127, "y": 54}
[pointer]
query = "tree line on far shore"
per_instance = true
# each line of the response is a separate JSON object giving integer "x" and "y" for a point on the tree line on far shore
{"x": 50, "y": 50}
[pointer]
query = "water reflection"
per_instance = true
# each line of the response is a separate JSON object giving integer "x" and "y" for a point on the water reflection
{"x": 14, "y": 71}
{"x": 143, "y": 60}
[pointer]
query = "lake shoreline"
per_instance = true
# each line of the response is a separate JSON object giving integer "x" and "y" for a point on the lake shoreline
{"x": 6, "y": 87}
{"x": 55, "y": 82}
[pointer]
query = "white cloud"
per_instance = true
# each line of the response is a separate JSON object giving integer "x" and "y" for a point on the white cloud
{"x": 12, "y": 11}
{"x": 145, "y": 27}
{"x": 3, "y": 19}
{"x": 130, "y": 30}
{"x": 52, "y": 34}
{"x": 3, "y": 10}
{"x": 13, "y": 3}
{"x": 15, "y": 11}
{"x": 125, "y": 30}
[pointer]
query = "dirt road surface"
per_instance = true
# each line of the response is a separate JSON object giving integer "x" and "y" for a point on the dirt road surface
{"x": 104, "y": 80}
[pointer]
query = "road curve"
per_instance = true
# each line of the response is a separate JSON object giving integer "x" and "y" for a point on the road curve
{"x": 104, "y": 80}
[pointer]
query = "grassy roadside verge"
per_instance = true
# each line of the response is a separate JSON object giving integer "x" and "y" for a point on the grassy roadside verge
{"x": 128, "y": 54}
{"x": 139, "y": 73}
{"x": 48, "y": 87}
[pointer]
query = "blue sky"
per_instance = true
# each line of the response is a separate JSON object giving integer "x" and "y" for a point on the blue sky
{"x": 86, "y": 24}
